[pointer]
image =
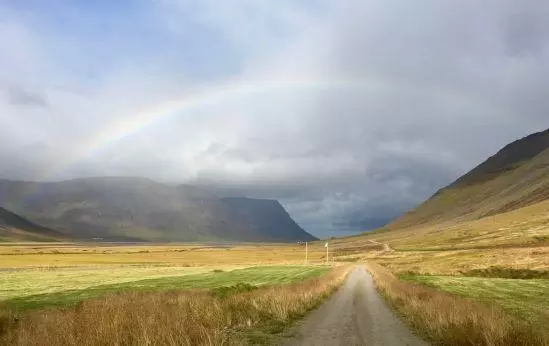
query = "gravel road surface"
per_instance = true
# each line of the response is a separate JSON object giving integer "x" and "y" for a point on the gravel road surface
{"x": 354, "y": 315}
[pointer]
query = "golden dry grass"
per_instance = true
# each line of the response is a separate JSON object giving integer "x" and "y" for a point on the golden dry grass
{"x": 453, "y": 262}
{"x": 526, "y": 299}
{"x": 525, "y": 227}
{"x": 445, "y": 319}
{"x": 65, "y": 255}
{"x": 517, "y": 240}
{"x": 193, "y": 317}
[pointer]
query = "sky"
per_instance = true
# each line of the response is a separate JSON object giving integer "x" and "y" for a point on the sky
{"x": 349, "y": 112}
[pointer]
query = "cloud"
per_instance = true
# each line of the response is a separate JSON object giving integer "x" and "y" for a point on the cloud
{"x": 353, "y": 111}
{"x": 18, "y": 96}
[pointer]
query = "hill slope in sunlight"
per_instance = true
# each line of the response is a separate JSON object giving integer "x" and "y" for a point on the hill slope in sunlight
{"x": 517, "y": 176}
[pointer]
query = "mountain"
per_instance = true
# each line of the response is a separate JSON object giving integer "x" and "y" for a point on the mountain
{"x": 515, "y": 177}
{"x": 15, "y": 227}
{"x": 268, "y": 216}
{"x": 136, "y": 209}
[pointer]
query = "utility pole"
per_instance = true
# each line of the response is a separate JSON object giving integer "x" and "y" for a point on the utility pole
{"x": 306, "y": 253}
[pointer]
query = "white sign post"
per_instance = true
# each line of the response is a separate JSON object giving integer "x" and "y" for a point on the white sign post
{"x": 306, "y": 254}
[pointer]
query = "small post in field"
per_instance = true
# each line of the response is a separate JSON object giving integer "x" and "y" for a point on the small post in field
{"x": 326, "y": 246}
{"x": 306, "y": 253}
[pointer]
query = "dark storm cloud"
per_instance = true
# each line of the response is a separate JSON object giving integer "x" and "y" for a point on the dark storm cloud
{"x": 400, "y": 99}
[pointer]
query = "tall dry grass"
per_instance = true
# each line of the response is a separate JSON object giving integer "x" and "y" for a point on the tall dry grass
{"x": 171, "y": 318}
{"x": 445, "y": 319}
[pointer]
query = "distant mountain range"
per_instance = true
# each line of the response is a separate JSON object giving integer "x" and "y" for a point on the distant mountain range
{"x": 515, "y": 177}
{"x": 139, "y": 209}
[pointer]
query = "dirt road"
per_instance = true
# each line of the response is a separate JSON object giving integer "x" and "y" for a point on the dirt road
{"x": 386, "y": 247}
{"x": 355, "y": 315}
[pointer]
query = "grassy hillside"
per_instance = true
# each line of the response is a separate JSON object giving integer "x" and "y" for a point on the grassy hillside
{"x": 517, "y": 176}
{"x": 122, "y": 208}
{"x": 15, "y": 227}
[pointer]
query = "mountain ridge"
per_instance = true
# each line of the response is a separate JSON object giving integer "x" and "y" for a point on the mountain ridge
{"x": 136, "y": 209}
{"x": 515, "y": 177}
{"x": 508, "y": 157}
{"x": 16, "y": 227}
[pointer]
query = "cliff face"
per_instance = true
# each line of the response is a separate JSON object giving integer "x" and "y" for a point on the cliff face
{"x": 268, "y": 218}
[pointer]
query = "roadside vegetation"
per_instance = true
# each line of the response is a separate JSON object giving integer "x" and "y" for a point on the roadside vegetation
{"x": 448, "y": 319}
{"x": 238, "y": 313}
{"x": 525, "y": 299}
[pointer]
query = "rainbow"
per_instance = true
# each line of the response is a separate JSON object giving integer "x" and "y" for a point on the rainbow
{"x": 134, "y": 123}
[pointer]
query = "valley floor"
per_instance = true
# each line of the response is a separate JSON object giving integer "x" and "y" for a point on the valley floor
{"x": 243, "y": 291}
{"x": 501, "y": 283}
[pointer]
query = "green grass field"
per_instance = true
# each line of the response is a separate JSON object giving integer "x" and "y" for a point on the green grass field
{"x": 266, "y": 275}
{"x": 525, "y": 299}
{"x": 26, "y": 282}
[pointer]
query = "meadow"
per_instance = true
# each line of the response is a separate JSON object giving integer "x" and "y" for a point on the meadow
{"x": 27, "y": 282}
{"x": 43, "y": 269}
{"x": 185, "y": 255}
{"x": 524, "y": 298}
{"x": 43, "y": 284}
{"x": 256, "y": 276}
{"x": 483, "y": 282}
{"x": 238, "y": 314}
